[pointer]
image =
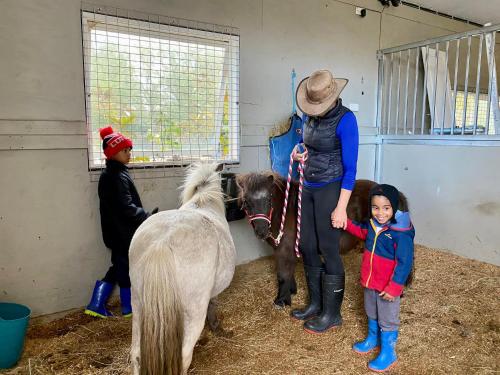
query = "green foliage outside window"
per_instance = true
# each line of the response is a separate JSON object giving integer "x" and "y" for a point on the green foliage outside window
{"x": 162, "y": 93}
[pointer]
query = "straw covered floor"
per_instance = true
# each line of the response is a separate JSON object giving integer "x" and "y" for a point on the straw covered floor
{"x": 450, "y": 325}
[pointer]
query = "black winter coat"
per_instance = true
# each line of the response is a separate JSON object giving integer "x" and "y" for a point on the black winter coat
{"x": 324, "y": 150}
{"x": 120, "y": 206}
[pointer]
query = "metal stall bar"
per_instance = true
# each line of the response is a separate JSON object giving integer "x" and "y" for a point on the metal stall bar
{"x": 417, "y": 61}
{"x": 494, "y": 93}
{"x": 445, "y": 88}
{"x": 490, "y": 47}
{"x": 478, "y": 78}
{"x": 455, "y": 83}
{"x": 489, "y": 59}
{"x": 424, "y": 91}
{"x": 398, "y": 97}
{"x": 389, "y": 102}
{"x": 466, "y": 84}
{"x": 405, "y": 118}
{"x": 441, "y": 39}
{"x": 433, "y": 116}
{"x": 380, "y": 91}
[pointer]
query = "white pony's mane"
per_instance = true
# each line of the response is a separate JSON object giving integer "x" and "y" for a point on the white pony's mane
{"x": 202, "y": 186}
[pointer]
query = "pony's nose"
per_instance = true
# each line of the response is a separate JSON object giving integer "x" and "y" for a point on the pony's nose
{"x": 261, "y": 230}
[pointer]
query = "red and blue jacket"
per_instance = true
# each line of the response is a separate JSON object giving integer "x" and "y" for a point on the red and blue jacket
{"x": 388, "y": 255}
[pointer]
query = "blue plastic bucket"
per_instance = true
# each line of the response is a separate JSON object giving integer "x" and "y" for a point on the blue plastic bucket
{"x": 14, "y": 320}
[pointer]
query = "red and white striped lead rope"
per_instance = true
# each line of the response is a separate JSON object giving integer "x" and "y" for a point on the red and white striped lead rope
{"x": 277, "y": 240}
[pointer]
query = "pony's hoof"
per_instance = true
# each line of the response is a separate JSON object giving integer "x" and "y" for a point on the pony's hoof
{"x": 220, "y": 332}
{"x": 227, "y": 334}
{"x": 281, "y": 303}
{"x": 203, "y": 341}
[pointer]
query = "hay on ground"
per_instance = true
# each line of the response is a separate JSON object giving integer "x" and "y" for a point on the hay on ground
{"x": 450, "y": 325}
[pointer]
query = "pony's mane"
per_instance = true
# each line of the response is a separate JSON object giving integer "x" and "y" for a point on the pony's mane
{"x": 202, "y": 186}
{"x": 254, "y": 181}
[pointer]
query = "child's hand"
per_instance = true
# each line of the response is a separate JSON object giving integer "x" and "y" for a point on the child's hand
{"x": 386, "y": 296}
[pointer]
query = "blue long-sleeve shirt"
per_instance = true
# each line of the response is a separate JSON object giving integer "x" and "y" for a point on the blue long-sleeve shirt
{"x": 347, "y": 132}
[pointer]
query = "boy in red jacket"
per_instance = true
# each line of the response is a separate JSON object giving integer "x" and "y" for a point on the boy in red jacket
{"x": 387, "y": 263}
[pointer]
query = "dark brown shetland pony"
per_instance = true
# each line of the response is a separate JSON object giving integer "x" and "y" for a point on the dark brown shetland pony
{"x": 262, "y": 196}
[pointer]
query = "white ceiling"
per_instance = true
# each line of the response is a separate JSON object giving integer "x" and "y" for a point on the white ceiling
{"x": 480, "y": 11}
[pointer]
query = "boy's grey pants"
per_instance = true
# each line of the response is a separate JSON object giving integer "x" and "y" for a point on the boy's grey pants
{"x": 377, "y": 308}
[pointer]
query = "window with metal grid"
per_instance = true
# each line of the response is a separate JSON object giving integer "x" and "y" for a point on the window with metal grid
{"x": 445, "y": 86}
{"x": 171, "y": 85}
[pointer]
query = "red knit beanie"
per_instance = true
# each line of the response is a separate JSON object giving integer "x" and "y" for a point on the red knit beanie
{"x": 112, "y": 142}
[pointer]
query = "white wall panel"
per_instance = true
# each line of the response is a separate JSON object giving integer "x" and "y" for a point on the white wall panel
{"x": 453, "y": 193}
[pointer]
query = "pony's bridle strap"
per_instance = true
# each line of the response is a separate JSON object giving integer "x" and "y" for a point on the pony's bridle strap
{"x": 268, "y": 217}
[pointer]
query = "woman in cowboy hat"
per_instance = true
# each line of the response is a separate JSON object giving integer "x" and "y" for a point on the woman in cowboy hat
{"x": 330, "y": 156}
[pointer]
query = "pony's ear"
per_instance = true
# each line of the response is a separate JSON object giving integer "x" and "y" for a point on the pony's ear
{"x": 220, "y": 167}
{"x": 241, "y": 180}
{"x": 270, "y": 179}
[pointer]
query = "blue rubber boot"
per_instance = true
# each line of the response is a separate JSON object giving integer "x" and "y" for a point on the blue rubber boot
{"x": 97, "y": 305}
{"x": 387, "y": 357}
{"x": 125, "y": 302}
{"x": 371, "y": 341}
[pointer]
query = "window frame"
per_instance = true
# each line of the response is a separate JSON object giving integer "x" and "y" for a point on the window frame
{"x": 181, "y": 31}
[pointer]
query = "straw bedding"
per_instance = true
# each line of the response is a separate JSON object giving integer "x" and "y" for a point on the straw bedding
{"x": 450, "y": 325}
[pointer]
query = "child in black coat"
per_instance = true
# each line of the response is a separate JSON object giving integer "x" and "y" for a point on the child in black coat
{"x": 121, "y": 214}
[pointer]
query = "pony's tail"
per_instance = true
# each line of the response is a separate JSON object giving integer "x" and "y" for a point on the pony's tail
{"x": 161, "y": 318}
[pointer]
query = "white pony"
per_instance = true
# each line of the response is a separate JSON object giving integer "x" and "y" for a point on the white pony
{"x": 179, "y": 261}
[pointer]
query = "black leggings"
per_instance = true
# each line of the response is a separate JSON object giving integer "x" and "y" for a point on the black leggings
{"x": 316, "y": 232}
{"x": 118, "y": 272}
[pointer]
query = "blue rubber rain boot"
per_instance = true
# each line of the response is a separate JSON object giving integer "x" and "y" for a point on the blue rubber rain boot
{"x": 371, "y": 341}
{"x": 97, "y": 305}
{"x": 387, "y": 357}
{"x": 125, "y": 302}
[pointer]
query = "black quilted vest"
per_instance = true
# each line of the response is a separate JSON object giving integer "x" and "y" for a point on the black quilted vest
{"x": 324, "y": 160}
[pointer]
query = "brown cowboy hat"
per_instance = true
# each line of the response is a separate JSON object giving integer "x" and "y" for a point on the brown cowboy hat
{"x": 318, "y": 93}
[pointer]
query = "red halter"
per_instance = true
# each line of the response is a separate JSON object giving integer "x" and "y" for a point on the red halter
{"x": 252, "y": 218}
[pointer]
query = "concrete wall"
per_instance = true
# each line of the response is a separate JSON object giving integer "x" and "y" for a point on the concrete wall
{"x": 51, "y": 247}
{"x": 453, "y": 194}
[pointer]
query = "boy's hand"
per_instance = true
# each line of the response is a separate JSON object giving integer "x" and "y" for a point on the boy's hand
{"x": 386, "y": 296}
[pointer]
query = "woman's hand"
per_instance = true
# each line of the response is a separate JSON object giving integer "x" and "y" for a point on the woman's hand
{"x": 297, "y": 155}
{"x": 339, "y": 214}
{"x": 339, "y": 218}
{"x": 387, "y": 296}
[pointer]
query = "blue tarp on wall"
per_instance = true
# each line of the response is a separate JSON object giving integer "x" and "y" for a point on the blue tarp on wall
{"x": 281, "y": 147}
